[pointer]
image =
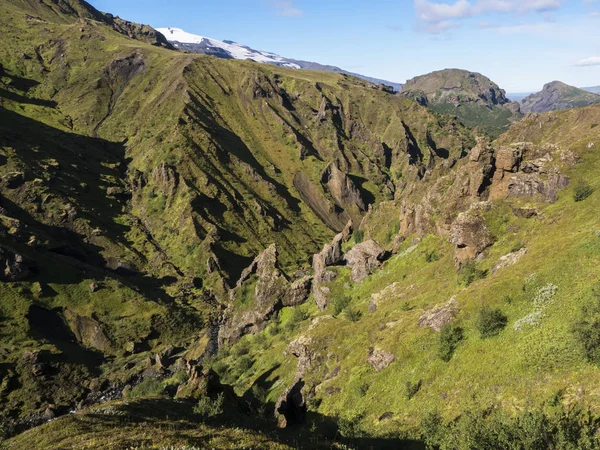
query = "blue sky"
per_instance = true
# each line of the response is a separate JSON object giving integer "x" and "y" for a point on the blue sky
{"x": 519, "y": 44}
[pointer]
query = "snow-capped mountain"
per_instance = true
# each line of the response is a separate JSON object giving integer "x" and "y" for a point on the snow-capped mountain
{"x": 194, "y": 43}
{"x": 223, "y": 49}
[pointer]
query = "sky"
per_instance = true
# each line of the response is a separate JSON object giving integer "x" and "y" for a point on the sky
{"x": 519, "y": 44}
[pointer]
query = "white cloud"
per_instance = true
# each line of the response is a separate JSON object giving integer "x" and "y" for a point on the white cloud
{"x": 438, "y": 16}
{"x": 591, "y": 61}
{"x": 286, "y": 8}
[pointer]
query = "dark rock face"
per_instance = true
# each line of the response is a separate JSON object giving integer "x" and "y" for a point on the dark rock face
{"x": 14, "y": 266}
{"x": 290, "y": 408}
{"x": 341, "y": 188}
{"x": 364, "y": 258}
{"x": 557, "y": 96}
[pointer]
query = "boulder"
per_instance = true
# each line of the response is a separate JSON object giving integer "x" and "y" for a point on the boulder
{"x": 298, "y": 292}
{"x": 89, "y": 332}
{"x": 470, "y": 235}
{"x": 435, "y": 318}
{"x": 364, "y": 258}
{"x": 380, "y": 359}
{"x": 508, "y": 260}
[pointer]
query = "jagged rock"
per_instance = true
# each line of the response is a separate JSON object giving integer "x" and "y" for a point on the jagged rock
{"x": 380, "y": 359}
{"x": 166, "y": 179}
{"x": 89, "y": 332}
{"x": 471, "y": 236}
{"x": 341, "y": 187}
{"x": 48, "y": 414}
{"x": 298, "y": 292}
{"x": 364, "y": 258}
{"x": 272, "y": 290}
{"x": 508, "y": 159}
{"x": 290, "y": 408}
{"x": 94, "y": 287}
{"x": 325, "y": 209}
{"x": 508, "y": 260}
{"x": 201, "y": 382}
{"x": 14, "y": 266}
{"x": 439, "y": 316}
{"x": 330, "y": 255}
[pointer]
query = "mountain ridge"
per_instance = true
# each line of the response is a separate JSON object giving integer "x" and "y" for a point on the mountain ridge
{"x": 232, "y": 50}
{"x": 557, "y": 95}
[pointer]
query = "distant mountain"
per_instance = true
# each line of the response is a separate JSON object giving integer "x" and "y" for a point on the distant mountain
{"x": 593, "y": 89}
{"x": 517, "y": 96}
{"x": 231, "y": 50}
{"x": 472, "y": 97}
{"x": 558, "y": 96}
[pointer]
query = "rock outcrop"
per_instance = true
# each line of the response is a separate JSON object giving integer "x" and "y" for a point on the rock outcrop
{"x": 364, "y": 258}
{"x": 290, "y": 408}
{"x": 330, "y": 255}
{"x": 89, "y": 332}
{"x": 470, "y": 235}
{"x": 272, "y": 291}
{"x": 435, "y": 318}
{"x": 380, "y": 359}
{"x": 509, "y": 260}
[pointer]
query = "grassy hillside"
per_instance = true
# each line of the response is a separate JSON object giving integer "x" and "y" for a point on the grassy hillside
{"x": 137, "y": 183}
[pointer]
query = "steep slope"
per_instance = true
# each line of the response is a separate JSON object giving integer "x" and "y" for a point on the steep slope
{"x": 472, "y": 97}
{"x": 231, "y": 50}
{"x": 138, "y": 182}
{"x": 556, "y": 96}
{"x": 167, "y": 234}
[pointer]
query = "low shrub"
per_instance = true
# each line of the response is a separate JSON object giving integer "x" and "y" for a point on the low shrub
{"x": 560, "y": 428}
{"x": 581, "y": 191}
{"x": 353, "y": 314}
{"x": 244, "y": 363}
{"x": 450, "y": 337}
{"x": 242, "y": 348}
{"x": 490, "y": 322}
{"x": 412, "y": 387}
{"x": 208, "y": 408}
{"x": 149, "y": 387}
{"x": 587, "y": 331}
{"x": 340, "y": 304}
{"x": 298, "y": 316}
{"x": 469, "y": 273}
{"x": 359, "y": 236}
{"x": 431, "y": 256}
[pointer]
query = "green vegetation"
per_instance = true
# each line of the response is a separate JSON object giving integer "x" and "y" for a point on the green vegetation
{"x": 581, "y": 191}
{"x": 469, "y": 273}
{"x": 208, "y": 408}
{"x": 450, "y": 336}
{"x": 490, "y": 322}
